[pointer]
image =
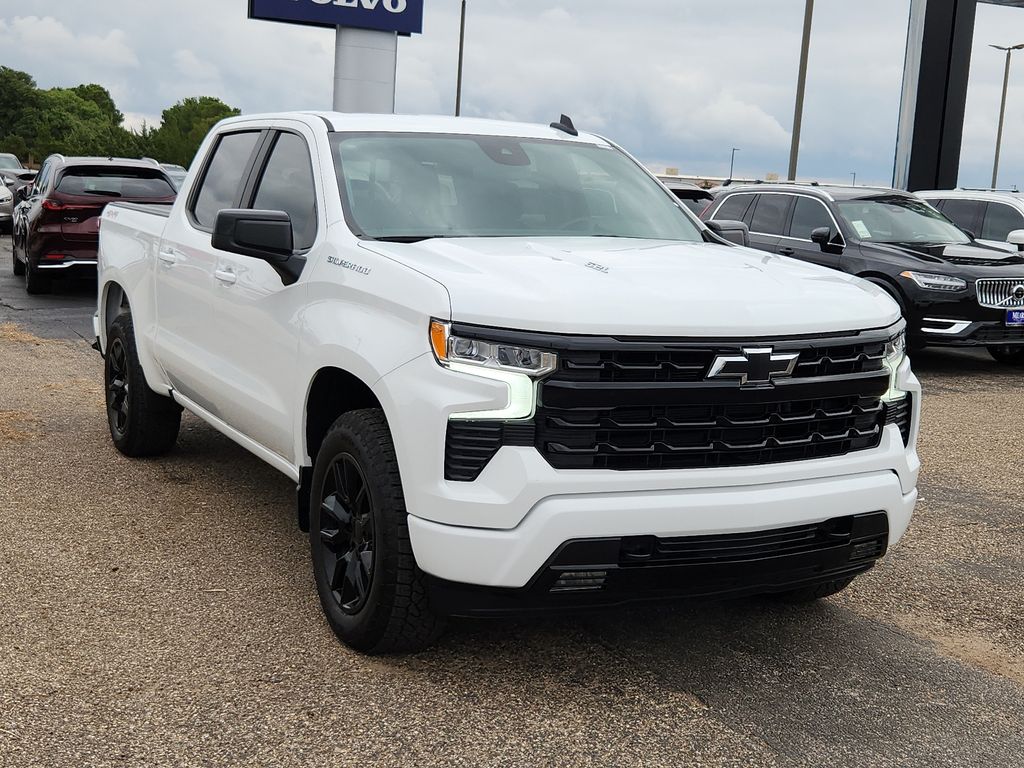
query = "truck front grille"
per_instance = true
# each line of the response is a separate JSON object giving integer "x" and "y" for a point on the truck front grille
{"x": 1001, "y": 293}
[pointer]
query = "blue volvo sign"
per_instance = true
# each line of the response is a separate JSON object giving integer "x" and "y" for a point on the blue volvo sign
{"x": 402, "y": 16}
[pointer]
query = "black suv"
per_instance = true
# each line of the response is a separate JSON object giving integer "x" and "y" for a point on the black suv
{"x": 953, "y": 290}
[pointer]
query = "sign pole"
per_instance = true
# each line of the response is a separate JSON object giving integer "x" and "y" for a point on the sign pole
{"x": 365, "y": 65}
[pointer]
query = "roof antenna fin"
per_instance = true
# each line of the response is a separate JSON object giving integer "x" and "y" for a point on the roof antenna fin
{"x": 565, "y": 125}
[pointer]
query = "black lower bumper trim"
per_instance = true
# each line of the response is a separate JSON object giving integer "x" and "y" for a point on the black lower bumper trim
{"x": 596, "y": 573}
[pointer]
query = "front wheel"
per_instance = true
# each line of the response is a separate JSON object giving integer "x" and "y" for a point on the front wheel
{"x": 372, "y": 592}
{"x": 1007, "y": 355}
{"x": 142, "y": 423}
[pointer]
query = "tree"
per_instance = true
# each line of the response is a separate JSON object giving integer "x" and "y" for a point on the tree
{"x": 184, "y": 127}
{"x": 101, "y": 97}
{"x": 18, "y": 93}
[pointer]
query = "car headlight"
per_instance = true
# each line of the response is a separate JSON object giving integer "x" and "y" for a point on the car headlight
{"x": 895, "y": 353}
{"x": 516, "y": 366}
{"x": 935, "y": 282}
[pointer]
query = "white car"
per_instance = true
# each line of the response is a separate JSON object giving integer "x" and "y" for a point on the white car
{"x": 507, "y": 371}
{"x": 995, "y": 217}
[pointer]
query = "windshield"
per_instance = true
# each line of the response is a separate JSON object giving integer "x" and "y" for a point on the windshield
{"x": 9, "y": 161}
{"x": 898, "y": 219}
{"x": 409, "y": 187}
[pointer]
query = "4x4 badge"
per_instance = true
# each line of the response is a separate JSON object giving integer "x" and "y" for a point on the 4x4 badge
{"x": 757, "y": 365}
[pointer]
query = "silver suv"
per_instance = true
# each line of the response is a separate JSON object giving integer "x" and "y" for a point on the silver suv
{"x": 992, "y": 216}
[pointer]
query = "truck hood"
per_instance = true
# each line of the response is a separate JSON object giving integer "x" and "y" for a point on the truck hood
{"x": 640, "y": 287}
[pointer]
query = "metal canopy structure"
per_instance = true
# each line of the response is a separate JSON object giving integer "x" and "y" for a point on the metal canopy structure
{"x": 934, "y": 103}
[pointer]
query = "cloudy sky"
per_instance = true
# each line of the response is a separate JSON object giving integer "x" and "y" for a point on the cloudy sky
{"x": 678, "y": 82}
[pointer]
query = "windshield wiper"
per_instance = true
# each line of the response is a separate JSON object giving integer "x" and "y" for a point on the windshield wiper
{"x": 101, "y": 192}
{"x": 410, "y": 238}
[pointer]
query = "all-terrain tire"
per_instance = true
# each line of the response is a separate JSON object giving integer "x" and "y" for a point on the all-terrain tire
{"x": 358, "y": 518}
{"x": 142, "y": 422}
{"x": 815, "y": 591}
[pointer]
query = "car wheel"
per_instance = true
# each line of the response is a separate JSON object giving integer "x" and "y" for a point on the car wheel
{"x": 1007, "y": 355}
{"x": 815, "y": 591}
{"x": 142, "y": 423}
{"x": 373, "y": 594}
{"x": 35, "y": 283}
{"x": 16, "y": 264}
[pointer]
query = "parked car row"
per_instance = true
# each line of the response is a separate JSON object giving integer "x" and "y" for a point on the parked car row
{"x": 953, "y": 289}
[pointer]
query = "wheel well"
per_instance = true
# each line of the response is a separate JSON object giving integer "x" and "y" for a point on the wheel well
{"x": 333, "y": 393}
{"x": 116, "y": 303}
{"x": 886, "y": 282}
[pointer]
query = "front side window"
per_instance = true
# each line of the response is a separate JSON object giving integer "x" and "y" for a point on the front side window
{"x": 1000, "y": 221}
{"x": 287, "y": 185}
{"x": 222, "y": 182}
{"x": 899, "y": 219}
{"x": 409, "y": 187}
{"x": 770, "y": 214}
{"x": 808, "y": 215}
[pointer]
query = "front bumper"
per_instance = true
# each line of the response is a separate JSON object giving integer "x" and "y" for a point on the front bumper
{"x": 500, "y": 530}
{"x": 954, "y": 332}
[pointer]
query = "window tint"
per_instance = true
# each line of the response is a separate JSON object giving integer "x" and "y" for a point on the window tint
{"x": 39, "y": 187}
{"x": 127, "y": 183}
{"x": 1000, "y": 221}
{"x": 808, "y": 215}
{"x": 734, "y": 208}
{"x": 222, "y": 184}
{"x": 966, "y": 214}
{"x": 287, "y": 185}
{"x": 770, "y": 214}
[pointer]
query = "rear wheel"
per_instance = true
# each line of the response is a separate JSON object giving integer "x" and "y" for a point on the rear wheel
{"x": 815, "y": 591}
{"x": 16, "y": 264}
{"x": 1007, "y": 355}
{"x": 142, "y": 423}
{"x": 35, "y": 283}
{"x": 372, "y": 592}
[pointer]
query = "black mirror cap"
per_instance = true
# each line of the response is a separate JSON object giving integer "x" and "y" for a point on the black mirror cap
{"x": 821, "y": 235}
{"x": 21, "y": 194}
{"x": 264, "y": 235}
{"x": 733, "y": 231}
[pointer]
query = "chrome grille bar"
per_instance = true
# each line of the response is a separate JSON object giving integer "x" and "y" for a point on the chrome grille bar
{"x": 1001, "y": 293}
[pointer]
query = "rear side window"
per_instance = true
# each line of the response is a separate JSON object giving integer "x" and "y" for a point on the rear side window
{"x": 224, "y": 177}
{"x": 966, "y": 214}
{"x": 808, "y": 215}
{"x": 125, "y": 183}
{"x": 734, "y": 208}
{"x": 1000, "y": 221}
{"x": 770, "y": 214}
{"x": 287, "y": 185}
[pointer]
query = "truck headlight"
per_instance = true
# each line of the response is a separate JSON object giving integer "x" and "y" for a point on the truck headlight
{"x": 516, "y": 366}
{"x": 935, "y": 282}
{"x": 895, "y": 353}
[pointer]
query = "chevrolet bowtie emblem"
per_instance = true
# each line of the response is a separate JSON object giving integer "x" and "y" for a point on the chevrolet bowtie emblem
{"x": 757, "y": 365}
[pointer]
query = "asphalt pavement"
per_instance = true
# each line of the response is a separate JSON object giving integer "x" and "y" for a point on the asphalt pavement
{"x": 162, "y": 613}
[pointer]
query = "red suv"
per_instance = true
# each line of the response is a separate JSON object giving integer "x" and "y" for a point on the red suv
{"x": 56, "y": 225}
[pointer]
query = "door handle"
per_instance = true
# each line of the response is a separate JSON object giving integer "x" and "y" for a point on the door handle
{"x": 170, "y": 258}
{"x": 786, "y": 251}
{"x": 226, "y": 276}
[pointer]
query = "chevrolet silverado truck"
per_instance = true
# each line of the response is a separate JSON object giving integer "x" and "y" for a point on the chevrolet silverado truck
{"x": 508, "y": 371}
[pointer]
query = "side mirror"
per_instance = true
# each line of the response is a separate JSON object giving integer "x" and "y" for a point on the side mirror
{"x": 263, "y": 235}
{"x": 1016, "y": 238}
{"x": 733, "y": 231}
{"x": 823, "y": 236}
{"x": 21, "y": 194}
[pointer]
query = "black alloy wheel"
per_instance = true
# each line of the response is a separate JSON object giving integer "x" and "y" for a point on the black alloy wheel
{"x": 347, "y": 534}
{"x": 118, "y": 401}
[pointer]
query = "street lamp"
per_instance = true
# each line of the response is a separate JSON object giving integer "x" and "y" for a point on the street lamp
{"x": 1002, "y": 105}
{"x": 854, "y": 174}
{"x": 732, "y": 160}
{"x": 462, "y": 48}
{"x": 801, "y": 85}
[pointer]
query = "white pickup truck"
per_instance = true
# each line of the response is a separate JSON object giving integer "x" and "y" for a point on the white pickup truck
{"x": 507, "y": 371}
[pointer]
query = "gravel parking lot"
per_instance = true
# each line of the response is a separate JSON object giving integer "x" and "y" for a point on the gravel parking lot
{"x": 163, "y": 613}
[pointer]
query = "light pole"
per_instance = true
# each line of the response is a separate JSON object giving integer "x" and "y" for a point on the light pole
{"x": 854, "y": 174}
{"x": 1002, "y": 106}
{"x": 732, "y": 160}
{"x": 801, "y": 84}
{"x": 462, "y": 48}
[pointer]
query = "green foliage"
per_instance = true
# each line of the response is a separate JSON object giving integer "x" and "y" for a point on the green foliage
{"x": 84, "y": 120}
